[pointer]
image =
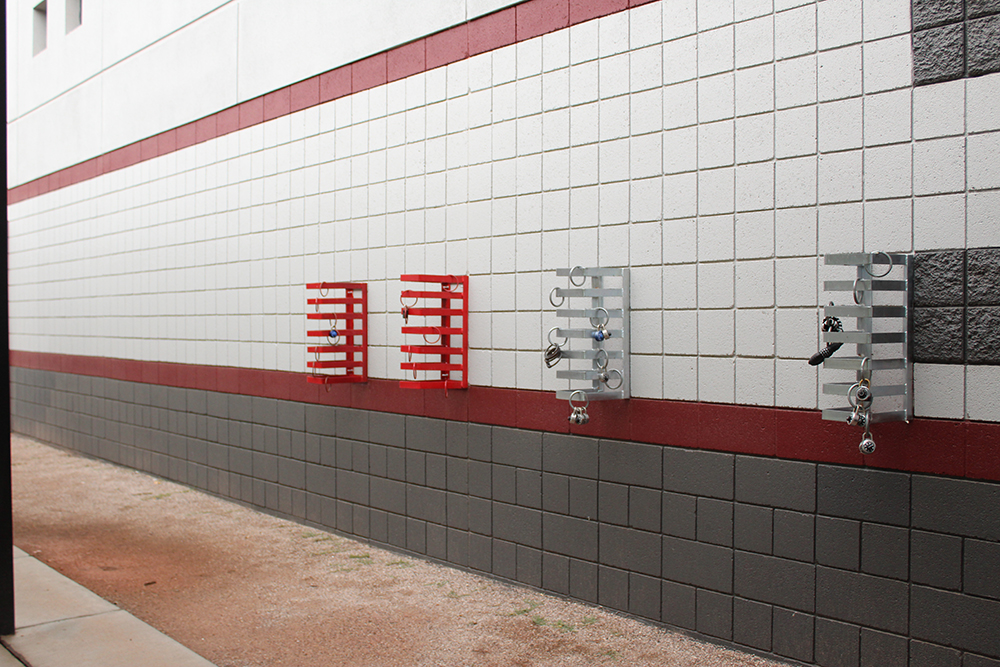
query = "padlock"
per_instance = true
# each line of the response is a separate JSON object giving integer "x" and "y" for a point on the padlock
{"x": 579, "y": 416}
{"x": 406, "y": 314}
{"x": 858, "y": 418}
{"x": 867, "y": 446}
{"x": 863, "y": 394}
{"x": 601, "y": 334}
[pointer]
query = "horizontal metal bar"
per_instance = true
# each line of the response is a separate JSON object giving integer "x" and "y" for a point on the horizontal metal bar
{"x": 591, "y": 354}
{"x": 864, "y": 337}
{"x": 445, "y": 331}
{"x": 347, "y": 286}
{"x": 416, "y": 294}
{"x": 335, "y": 379}
{"x": 432, "y": 384}
{"x": 588, "y": 312}
{"x": 863, "y": 258}
{"x": 854, "y": 364}
{"x": 436, "y": 311}
{"x": 329, "y": 349}
{"x": 334, "y": 316}
{"x": 340, "y": 363}
{"x": 842, "y": 389}
{"x": 585, "y": 333}
{"x": 865, "y": 311}
{"x": 334, "y": 301}
{"x": 593, "y": 271}
{"x": 429, "y": 366}
{"x": 340, "y": 332}
{"x": 431, "y": 349}
{"x": 865, "y": 285}
{"x": 592, "y": 394}
{"x": 585, "y": 375}
{"x": 841, "y": 415}
{"x": 588, "y": 291}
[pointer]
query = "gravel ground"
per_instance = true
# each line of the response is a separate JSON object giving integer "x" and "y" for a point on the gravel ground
{"x": 245, "y": 589}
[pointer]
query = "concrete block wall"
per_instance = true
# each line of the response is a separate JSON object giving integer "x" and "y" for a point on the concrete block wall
{"x": 820, "y": 563}
{"x": 717, "y": 148}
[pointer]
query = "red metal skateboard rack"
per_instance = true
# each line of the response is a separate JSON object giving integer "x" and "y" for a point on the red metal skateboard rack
{"x": 438, "y": 339}
{"x": 347, "y": 346}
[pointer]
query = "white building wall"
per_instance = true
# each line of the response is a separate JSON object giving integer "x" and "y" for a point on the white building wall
{"x": 152, "y": 66}
{"x": 717, "y": 149}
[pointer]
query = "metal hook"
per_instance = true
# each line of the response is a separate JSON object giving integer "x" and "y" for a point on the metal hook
{"x": 880, "y": 275}
{"x": 585, "y": 399}
{"x": 607, "y": 317}
{"x": 551, "y": 342}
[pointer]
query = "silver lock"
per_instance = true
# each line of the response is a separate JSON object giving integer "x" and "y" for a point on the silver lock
{"x": 863, "y": 394}
{"x": 867, "y": 446}
{"x": 858, "y": 418}
{"x": 579, "y": 415}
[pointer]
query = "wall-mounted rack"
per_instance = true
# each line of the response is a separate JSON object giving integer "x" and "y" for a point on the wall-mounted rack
{"x": 345, "y": 351}
{"x": 882, "y": 340}
{"x": 443, "y": 356}
{"x": 602, "y": 324}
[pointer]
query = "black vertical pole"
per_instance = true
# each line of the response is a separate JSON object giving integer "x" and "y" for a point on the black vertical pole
{"x": 6, "y": 517}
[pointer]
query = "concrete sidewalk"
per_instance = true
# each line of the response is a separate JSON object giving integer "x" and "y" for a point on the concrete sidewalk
{"x": 59, "y": 623}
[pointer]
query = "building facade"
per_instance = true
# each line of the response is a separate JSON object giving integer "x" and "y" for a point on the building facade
{"x": 178, "y": 172}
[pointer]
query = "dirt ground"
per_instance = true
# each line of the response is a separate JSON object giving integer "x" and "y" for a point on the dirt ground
{"x": 245, "y": 589}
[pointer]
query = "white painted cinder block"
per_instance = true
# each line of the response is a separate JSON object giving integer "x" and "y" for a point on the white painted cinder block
{"x": 717, "y": 379}
{"x": 939, "y": 391}
{"x": 982, "y": 401}
{"x": 983, "y": 167}
{"x": 983, "y": 98}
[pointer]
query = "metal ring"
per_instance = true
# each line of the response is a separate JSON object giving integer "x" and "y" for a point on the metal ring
{"x": 323, "y": 290}
{"x": 433, "y": 342}
{"x": 621, "y": 379}
{"x": 450, "y": 285}
{"x": 880, "y": 275}
{"x": 403, "y": 303}
{"x": 607, "y": 318}
{"x": 552, "y": 301}
{"x": 859, "y": 295}
{"x": 573, "y": 271}
{"x": 551, "y": 342}
{"x": 336, "y": 338}
{"x": 597, "y": 356}
{"x": 585, "y": 398}
{"x": 865, "y": 369}
{"x": 852, "y": 393}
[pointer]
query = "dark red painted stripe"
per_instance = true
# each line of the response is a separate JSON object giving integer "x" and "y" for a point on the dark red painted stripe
{"x": 508, "y": 26}
{"x": 936, "y": 446}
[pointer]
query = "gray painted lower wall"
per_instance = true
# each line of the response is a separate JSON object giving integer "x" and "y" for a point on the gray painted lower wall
{"x": 824, "y": 564}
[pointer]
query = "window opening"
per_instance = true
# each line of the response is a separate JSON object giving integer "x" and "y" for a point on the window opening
{"x": 41, "y": 20}
{"x": 74, "y": 15}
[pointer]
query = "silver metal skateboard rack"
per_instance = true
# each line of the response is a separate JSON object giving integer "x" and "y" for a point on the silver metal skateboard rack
{"x": 608, "y": 307}
{"x": 877, "y": 273}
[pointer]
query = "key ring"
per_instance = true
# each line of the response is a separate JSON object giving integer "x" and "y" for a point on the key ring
{"x": 552, "y": 301}
{"x": 852, "y": 392}
{"x": 404, "y": 304}
{"x": 323, "y": 290}
{"x": 585, "y": 399}
{"x": 865, "y": 370}
{"x": 451, "y": 285}
{"x": 437, "y": 330}
{"x": 621, "y": 379}
{"x": 583, "y": 277}
{"x": 607, "y": 318}
{"x": 551, "y": 342}
{"x": 859, "y": 294}
{"x": 597, "y": 358}
{"x": 880, "y": 275}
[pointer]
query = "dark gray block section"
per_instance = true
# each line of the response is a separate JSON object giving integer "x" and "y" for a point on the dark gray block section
{"x": 931, "y": 13}
{"x": 677, "y": 605}
{"x": 929, "y": 655}
{"x": 936, "y": 559}
{"x": 645, "y": 506}
{"x": 862, "y": 599}
{"x": 939, "y": 54}
{"x": 426, "y": 435}
{"x": 955, "y": 506}
{"x": 775, "y": 580}
{"x": 570, "y": 455}
{"x": 982, "y": 327}
{"x": 956, "y": 620}
{"x": 628, "y": 549}
{"x": 612, "y": 503}
{"x": 864, "y": 494}
{"x": 983, "y": 276}
{"x": 794, "y": 535}
{"x": 569, "y": 536}
{"x": 715, "y": 521}
{"x": 939, "y": 335}
{"x": 752, "y": 624}
{"x": 644, "y": 596}
{"x": 982, "y": 568}
{"x": 776, "y": 483}
{"x": 352, "y": 424}
{"x": 753, "y": 528}
{"x": 388, "y": 429}
{"x": 885, "y": 551}
{"x": 977, "y": 8}
{"x": 837, "y": 644}
{"x": 698, "y": 564}
{"x": 793, "y": 634}
{"x": 679, "y": 515}
{"x": 698, "y": 472}
{"x": 715, "y": 614}
{"x": 514, "y": 447}
{"x": 881, "y": 649}
{"x": 983, "y": 37}
{"x": 631, "y": 463}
